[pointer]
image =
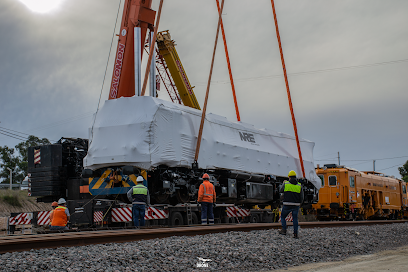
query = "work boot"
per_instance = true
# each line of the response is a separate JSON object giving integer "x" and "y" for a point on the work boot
{"x": 295, "y": 235}
{"x": 282, "y": 231}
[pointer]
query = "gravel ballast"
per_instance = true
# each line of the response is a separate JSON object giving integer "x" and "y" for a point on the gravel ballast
{"x": 232, "y": 251}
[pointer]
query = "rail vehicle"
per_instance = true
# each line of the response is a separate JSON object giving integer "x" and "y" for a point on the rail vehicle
{"x": 57, "y": 170}
{"x": 158, "y": 144}
{"x": 349, "y": 194}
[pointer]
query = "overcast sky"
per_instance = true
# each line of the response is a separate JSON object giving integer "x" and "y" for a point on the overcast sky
{"x": 347, "y": 63}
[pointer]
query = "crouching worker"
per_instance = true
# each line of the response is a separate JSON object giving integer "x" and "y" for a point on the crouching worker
{"x": 53, "y": 206}
{"x": 292, "y": 199}
{"x": 60, "y": 216}
{"x": 139, "y": 195}
{"x": 206, "y": 196}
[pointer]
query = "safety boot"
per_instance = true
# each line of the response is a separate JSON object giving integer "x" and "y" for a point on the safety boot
{"x": 282, "y": 231}
{"x": 295, "y": 235}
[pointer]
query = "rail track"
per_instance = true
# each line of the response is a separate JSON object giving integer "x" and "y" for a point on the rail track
{"x": 81, "y": 238}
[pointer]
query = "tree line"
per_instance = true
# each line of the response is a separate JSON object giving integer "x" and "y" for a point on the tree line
{"x": 17, "y": 159}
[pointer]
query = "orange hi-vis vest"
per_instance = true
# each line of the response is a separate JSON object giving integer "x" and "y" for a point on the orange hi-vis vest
{"x": 51, "y": 215}
{"x": 206, "y": 193}
{"x": 59, "y": 217}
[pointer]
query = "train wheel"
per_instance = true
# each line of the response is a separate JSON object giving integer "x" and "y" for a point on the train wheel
{"x": 254, "y": 218}
{"x": 163, "y": 198}
{"x": 194, "y": 218}
{"x": 176, "y": 219}
{"x": 228, "y": 220}
{"x": 182, "y": 196}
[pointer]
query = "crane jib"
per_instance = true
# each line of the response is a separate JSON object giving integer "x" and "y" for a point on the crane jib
{"x": 117, "y": 71}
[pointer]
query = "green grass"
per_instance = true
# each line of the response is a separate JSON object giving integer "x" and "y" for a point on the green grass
{"x": 13, "y": 197}
{"x": 12, "y": 200}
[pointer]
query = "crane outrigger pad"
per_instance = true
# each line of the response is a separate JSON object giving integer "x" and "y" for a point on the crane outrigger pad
{"x": 147, "y": 132}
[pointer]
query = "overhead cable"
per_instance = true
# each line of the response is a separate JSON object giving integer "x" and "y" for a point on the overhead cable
{"x": 6, "y": 132}
{"x": 314, "y": 71}
{"x": 390, "y": 167}
{"x": 11, "y": 135}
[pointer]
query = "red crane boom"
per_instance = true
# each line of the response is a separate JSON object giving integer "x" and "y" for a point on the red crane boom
{"x": 136, "y": 14}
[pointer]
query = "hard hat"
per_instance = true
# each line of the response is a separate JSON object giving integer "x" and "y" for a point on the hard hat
{"x": 292, "y": 173}
{"x": 61, "y": 201}
{"x": 206, "y": 176}
{"x": 54, "y": 204}
{"x": 139, "y": 179}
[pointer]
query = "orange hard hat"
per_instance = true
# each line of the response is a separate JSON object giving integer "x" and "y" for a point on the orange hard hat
{"x": 206, "y": 176}
{"x": 54, "y": 204}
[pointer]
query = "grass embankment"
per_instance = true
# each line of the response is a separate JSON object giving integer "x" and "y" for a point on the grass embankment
{"x": 17, "y": 201}
{"x": 14, "y": 198}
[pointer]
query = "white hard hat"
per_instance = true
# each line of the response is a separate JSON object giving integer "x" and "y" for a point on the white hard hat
{"x": 139, "y": 179}
{"x": 61, "y": 201}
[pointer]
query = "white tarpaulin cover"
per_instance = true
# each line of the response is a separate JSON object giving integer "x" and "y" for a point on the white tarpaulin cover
{"x": 147, "y": 132}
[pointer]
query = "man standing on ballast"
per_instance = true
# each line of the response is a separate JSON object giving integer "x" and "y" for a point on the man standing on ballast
{"x": 292, "y": 199}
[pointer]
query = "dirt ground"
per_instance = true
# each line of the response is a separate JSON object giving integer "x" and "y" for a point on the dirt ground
{"x": 389, "y": 260}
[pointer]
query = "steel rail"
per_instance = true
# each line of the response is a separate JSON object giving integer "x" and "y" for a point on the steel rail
{"x": 68, "y": 239}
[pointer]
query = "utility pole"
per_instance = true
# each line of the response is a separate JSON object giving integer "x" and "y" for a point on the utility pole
{"x": 11, "y": 178}
{"x": 374, "y": 165}
{"x": 338, "y": 156}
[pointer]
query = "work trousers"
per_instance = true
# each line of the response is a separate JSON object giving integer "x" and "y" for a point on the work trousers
{"x": 138, "y": 212}
{"x": 207, "y": 213}
{"x": 58, "y": 228}
{"x": 286, "y": 209}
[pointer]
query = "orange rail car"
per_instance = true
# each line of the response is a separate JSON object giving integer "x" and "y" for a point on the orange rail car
{"x": 348, "y": 194}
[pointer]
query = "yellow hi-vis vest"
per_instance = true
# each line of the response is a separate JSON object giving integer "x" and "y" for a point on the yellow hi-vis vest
{"x": 292, "y": 194}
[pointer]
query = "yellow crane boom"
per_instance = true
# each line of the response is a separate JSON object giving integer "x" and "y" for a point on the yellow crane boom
{"x": 167, "y": 49}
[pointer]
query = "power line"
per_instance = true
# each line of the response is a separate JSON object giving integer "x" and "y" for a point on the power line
{"x": 18, "y": 138}
{"x": 6, "y": 132}
{"x": 359, "y": 163}
{"x": 392, "y": 158}
{"x": 14, "y": 131}
{"x": 379, "y": 159}
{"x": 368, "y": 160}
{"x": 10, "y": 133}
{"x": 389, "y": 167}
{"x": 314, "y": 71}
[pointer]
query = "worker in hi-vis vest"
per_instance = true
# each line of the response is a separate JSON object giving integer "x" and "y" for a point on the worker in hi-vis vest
{"x": 139, "y": 195}
{"x": 60, "y": 216}
{"x": 206, "y": 197}
{"x": 292, "y": 199}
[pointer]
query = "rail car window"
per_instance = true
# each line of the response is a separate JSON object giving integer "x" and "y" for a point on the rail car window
{"x": 332, "y": 180}
{"x": 404, "y": 189}
{"x": 351, "y": 182}
{"x": 322, "y": 179}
